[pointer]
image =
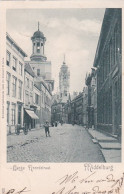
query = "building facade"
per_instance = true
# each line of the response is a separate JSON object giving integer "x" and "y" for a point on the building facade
{"x": 77, "y": 109}
{"x": 109, "y": 73}
{"x": 29, "y": 90}
{"x": 30, "y": 116}
{"x": 85, "y": 105}
{"x": 37, "y": 104}
{"x": 14, "y": 84}
{"x": 90, "y": 108}
{"x": 94, "y": 96}
{"x": 45, "y": 100}
{"x": 57, "y": 112}
{"x": 90, "y": 81}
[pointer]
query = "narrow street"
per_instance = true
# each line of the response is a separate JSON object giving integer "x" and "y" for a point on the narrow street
{"x": 67, "y": 144}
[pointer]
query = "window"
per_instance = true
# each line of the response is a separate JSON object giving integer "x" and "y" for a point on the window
{"x": 116, "y": 89}
{"x": 65, "y": 93}
{"x": 26, "y": 98}
{"x": 20, "y": 68}
{"x": 110, "y": 55}
{"x": 38, "y": 72}
{"x": 38, "y": 47}
{"x": 31, "y": 98}
{"x": 14, "y": 64}
{"x": 8, "y": 59}
{"x": 115, "y": 44}
{"x": 19, "y": 113}
{"x": 42, "y": 97}
{"x": 38, "y": 44}
{"x": 31, "y": 85}
{"x": 36, "y": 99}
{"x": 13, "y": 120}
{"x": 8, "y": 83}
{"x": 8, "y": 105}
{"x": 14, "y": 87}
{"x": 27, "y": 82}
{"x": 118, "y": 41}
{"x": 20, "y": 90}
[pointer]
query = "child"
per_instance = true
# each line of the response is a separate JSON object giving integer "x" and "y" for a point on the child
{"x": 47, "y": 132}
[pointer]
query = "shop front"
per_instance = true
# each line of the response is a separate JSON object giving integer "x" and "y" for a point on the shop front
{"x": 29, "y": 118}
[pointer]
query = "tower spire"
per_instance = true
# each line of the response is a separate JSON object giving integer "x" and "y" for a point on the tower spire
{"x": 64, "y": 59}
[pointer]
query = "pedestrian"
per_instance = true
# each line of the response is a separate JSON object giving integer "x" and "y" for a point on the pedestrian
{"x": 52, "y": 124}
{"x": 56, "y": 124}
{"x": 47, "y": 132}
{"x": 61, "y": 122}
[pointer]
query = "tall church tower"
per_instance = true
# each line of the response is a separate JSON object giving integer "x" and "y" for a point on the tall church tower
{"x": 64, "y": 80}
{"x": 38, "y": 42}
{"x": 38, "y": 62}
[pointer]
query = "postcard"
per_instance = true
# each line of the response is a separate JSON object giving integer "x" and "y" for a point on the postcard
{"x": 61, "y": 97}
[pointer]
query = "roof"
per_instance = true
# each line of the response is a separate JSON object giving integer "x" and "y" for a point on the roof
{"x": 64, "y": 99}
{"x": 37, "y": 85}
{"x": 38, "y": 34}
{"x": 80, "y": 95}
{"x": 38, "y": 82}
{"x": 16, "y": 45}
{"x": 29, "y": 69}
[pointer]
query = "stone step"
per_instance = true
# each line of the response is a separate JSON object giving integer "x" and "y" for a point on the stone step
{"x": 112, "y": 155}
{"x": 110, "y": 145}
{"x": 101, "y": 137}
{"x": 95, "y": 141}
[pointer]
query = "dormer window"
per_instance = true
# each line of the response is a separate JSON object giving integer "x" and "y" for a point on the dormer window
{"x": 38, "y": 72}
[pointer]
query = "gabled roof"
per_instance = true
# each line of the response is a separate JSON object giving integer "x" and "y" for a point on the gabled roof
{"x": 9, "y": 38}
{"x": 29, "y": 69}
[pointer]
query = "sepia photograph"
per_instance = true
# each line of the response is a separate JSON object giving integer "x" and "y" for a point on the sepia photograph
{"x": 64, "y": 85}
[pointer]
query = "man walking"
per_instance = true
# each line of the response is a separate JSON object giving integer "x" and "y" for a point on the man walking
{"x": 47, "y": 132}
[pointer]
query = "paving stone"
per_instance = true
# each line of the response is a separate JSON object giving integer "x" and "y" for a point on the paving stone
{"x": 67, "y": 144}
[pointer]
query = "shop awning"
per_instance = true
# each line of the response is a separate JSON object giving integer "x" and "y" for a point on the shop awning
{"x": 31, "y": 114}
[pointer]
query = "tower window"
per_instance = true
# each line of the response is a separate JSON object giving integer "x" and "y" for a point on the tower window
{"x": 38, "y": 47}
{"x": 38, "y": 72}
{"x": 38, "y": 50}
{"x": 65, "y": 92}
{"x": 38, "y": 44}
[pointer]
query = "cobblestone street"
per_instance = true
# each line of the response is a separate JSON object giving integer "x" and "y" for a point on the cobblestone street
{"x": 67, "y": 144}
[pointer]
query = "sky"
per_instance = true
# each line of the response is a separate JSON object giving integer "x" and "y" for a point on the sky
{"x": 70, "y": 32}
